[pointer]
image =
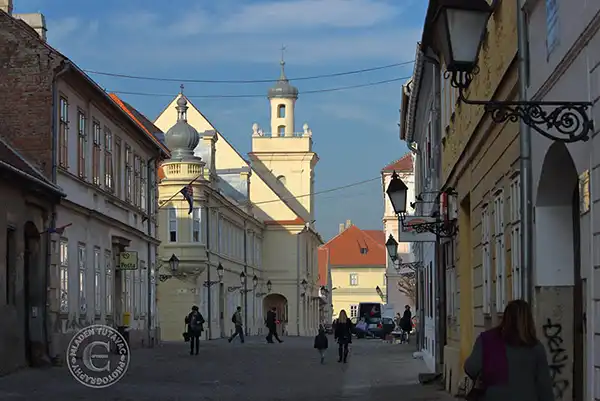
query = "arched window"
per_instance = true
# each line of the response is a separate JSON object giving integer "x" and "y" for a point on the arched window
{"x": 281, "y": 111}
{"x": 281, "y": 130}
{"x": 281, "y": 179}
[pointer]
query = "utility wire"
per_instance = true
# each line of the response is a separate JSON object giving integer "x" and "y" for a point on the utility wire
{"x": 249, "y": 81}
{"x": 335, "y": 89}
{"x": 354, "y": 184}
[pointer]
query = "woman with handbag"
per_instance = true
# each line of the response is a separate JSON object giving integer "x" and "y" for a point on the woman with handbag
{"x": 343, "y": 335}
{"x": 194, "y": 323}
{"x": 508, "y": 362}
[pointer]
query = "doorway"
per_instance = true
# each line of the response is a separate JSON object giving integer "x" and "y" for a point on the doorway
{"x": 33, "y": 275}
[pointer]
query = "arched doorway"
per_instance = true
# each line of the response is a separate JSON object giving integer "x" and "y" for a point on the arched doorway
{"x": 557, "y": 272}
{"x": 280, "y": 303}
{"x": 33, "y": 295}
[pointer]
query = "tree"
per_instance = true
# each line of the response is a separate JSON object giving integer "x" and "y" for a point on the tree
{"x": 407, "y": 284}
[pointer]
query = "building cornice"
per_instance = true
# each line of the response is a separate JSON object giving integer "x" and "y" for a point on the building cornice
{"x": 414, "y": 95}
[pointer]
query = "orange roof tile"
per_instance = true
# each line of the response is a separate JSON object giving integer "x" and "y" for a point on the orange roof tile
{"x": 323, "y": 259}
{"x": 345, "y": 248}
{"x": 377, "y": 235}
{"x": 404, "y": 164}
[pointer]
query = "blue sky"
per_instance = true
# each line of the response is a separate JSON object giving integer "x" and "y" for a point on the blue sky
{"x": 355, "y": 131}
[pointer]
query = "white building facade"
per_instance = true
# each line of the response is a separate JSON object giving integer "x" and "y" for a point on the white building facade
{"x": 564, "y": 56}
{"x": 420, "y": 129}
{"x": 107, "y": 166}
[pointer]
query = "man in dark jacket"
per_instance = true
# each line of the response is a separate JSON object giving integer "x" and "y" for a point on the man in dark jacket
{"x": 194, "y": 323}
{"x": 271, "y": 323}
{"x": 406, "y": 323}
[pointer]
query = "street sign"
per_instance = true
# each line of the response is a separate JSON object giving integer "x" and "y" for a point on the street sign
{"x": 408, "y": 234}
{"x": 128, "y": 261}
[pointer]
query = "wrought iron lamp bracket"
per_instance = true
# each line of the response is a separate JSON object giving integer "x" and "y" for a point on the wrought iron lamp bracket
{"x": 234, "y": 288}
{"x": 399, "y": 265}
{"x": 441, "y": 228}
{"x": 165, "y": 277}
{"x": 246, "y": 290}
{"x": 261, "y": 294}
{"x": 209, "y": 284}
{"x": 569, "y": 120}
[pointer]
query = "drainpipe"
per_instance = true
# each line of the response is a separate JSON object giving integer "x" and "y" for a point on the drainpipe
{"x": 246, "y": 280}
{"x": 150, "y": 168}
{"x": 208, "y": 268}
{"x": 62, "y": 69}
{"x": 298, "y": 282}
{"x": 525, "y": 161}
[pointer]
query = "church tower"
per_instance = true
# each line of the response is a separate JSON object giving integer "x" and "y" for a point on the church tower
{"x": 283, "y": 156}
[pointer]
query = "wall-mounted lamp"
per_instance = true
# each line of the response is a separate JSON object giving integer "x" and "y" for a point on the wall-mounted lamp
{"x": 242, "y": 282}
{"x": 392, "y": 248}
{"x": 269, "y": 286}
{"x": 174, "y": 269}
{"x": 220, "y": 272}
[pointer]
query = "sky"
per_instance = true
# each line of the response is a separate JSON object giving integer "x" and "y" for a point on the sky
{"x": 355, "y": 131}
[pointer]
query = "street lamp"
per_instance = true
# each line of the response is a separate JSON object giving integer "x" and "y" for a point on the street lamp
{"x": 460, "y": 27}
{"x": 174, "y": 263}
{"x": 237, "y": 287}
{"x": 254, "y": 281}
{"x": 173, "y": 267}
{"x": 269, "y": 286}
{"x": 262, "y": 294}
{"x": 397, "y": 192}
{"x": 392, "y": 248}
{"x": 220, "y": 271}
{"x": 304, "y": 285}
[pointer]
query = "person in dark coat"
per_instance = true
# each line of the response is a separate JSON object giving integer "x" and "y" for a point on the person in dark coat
{"x": 343, "y": 335}
{"x": 194, "y": 323}
{"x": 406, "y": 322}
{"x": 271, "y": 323}
{"x": 321, "y": 343}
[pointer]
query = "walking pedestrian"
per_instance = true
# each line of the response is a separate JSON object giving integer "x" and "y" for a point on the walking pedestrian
{"x": 343, "y": 335}
{"x": 271, "y": 323}
{"x": 194, "y": 321}
{"x": 508, "y": 362}
{"x": 239, "y": 326}
{"x": 406, "y": 324}
{"x": 321, "y": 343}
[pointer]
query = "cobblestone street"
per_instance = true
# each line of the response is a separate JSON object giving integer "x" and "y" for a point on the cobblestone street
{"x": 250, "y": 371}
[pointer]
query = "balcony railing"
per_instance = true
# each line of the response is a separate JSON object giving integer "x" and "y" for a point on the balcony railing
{"x": 182, "y": 170}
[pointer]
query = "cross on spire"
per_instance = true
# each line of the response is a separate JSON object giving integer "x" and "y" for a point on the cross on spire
{"x": 282, "y": 77}
{"x": 181, "y": 87}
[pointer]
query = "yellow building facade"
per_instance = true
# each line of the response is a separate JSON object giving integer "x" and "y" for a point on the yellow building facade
{"x": 270, "y": 199}
{"x": 480, "y": 161}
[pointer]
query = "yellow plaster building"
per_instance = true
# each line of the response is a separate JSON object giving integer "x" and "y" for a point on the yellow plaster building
{"x": 256, "y": 218}
{"x": 480, "y": 160}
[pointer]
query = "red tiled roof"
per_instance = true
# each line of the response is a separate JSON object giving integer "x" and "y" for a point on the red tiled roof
{"x": 345, "y": 248}
{"x": 377, "y": 235}
{"x": 404, "y": 164}
{"x": 323, "y": 259}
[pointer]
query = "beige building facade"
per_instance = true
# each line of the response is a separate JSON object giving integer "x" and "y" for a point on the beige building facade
{"x": 270, "y": 199}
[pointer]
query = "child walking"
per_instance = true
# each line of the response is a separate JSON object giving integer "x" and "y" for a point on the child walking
{"x": 321, "y": 343}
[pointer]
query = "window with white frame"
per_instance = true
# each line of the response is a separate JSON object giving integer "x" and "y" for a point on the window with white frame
{"x": 64, "y": 275}
{"x": 451, "y": 285}
{"x": 137, "y": 299}
{"x": 515, "y": 237}
{"x": 82, "y": 263}
{"x": 486, "y": 265}
{"x": 353, "y": 279}
{"x": 97, "y": 282}
{"x": 109, "y": 282}
{"x": 196, "y": 224}
{"x": 172, "y": 224}
{"x": 128, "y": 292}
{"x": 499, "y": 251}
{"x": 353, "y": 311}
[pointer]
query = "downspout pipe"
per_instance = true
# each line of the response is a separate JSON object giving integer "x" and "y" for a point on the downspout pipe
{"x": 62, "y": 69}
{"x": 298, "y": 282}
{"x": 208, "y": 268}
{"x": 246, "y": 280}
{"x": 150, "y": 173}
{"x": 525, "y": 160}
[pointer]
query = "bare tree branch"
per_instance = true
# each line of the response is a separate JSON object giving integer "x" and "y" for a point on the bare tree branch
{"x": 407, "y": 284}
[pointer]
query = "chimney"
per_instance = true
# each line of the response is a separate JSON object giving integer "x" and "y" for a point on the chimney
{"x": 348, "y": 223}
{"x": 6, "y": 6}
{"x": 341, "y": 228}
{"x": 35, "y": 20}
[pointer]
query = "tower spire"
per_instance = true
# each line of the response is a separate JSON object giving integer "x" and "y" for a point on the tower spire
{"x": 282, "y": 77}
{"x": 181, "y": 106}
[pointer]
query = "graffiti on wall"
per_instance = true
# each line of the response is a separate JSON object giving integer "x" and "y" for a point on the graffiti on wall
{"x": 558, "y": 358}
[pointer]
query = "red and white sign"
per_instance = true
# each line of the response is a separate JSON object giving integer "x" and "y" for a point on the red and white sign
{"x": 409, "y": 234}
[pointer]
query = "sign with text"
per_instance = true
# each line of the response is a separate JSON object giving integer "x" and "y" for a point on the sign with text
{"x": 409, "y": 234}
{"x": 128, "y": 261}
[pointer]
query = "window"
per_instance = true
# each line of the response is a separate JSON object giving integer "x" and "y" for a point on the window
{"x": 353, "y": 279}
{"x": 363, "y": 251}
{"x": 109, "y": 283}
{"x": 353, "y": 311}
{"x": 64, "y": 275}
{"x": 487, "y": 260}
{"x": 97, "y": 282}
{"x": 281, "y": 111}
{"x": 552, "y": 25}
{"x": 96, "y": 154}
{"x": 128, "y": 291}
{"x": 281, "y": 130}
{"x": 515, "y": 237}
{"x": 153, "y": 188}
{"x": 108, "y": 160}
{"x": 196, "y": 224}
{"x": 136, "y": 181}
{"x": 81, "y": 143}
{"x": 118, "y": 167}
{"x": 137, "y": 299}
{"x": 172, "y": 224}
{"x": 128, "y": 173}
{"x": 499, "y": 251}
{"x": 81, "y": 263}
{"x": 430, "y": 285}
{"x": 63, "y": 135}
{"x": 143, "y": 185}
{"x": 451, "y": 285}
